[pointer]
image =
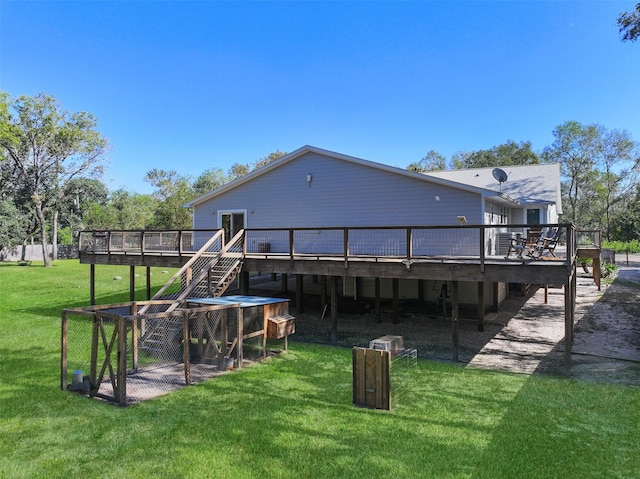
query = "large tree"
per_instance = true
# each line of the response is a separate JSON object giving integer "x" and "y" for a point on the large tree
{"x": 172, "y": 192}
{"x": 48, "y": 146}
{"x": 596, "y": 166}
{"x": 629, "y": 25}
{"x": 576, "y": 149}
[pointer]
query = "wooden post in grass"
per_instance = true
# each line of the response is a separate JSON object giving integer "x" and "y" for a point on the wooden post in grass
{"x": 63, "y": 354}
{"x": 371, "y": 378}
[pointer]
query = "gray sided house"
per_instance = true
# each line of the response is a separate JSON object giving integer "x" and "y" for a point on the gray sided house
{"x": 316, "y": 188}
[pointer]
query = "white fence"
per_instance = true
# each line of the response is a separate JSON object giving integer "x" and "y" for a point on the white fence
{"x": 34, "y": 252}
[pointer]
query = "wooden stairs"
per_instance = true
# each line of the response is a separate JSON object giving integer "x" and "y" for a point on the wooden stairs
{"x": 208, "y": 274}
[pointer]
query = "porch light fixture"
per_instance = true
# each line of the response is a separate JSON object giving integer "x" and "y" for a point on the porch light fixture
{"x": 309, "y": 178}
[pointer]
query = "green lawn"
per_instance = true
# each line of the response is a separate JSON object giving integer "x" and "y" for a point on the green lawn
{"x": 291, "y": 416}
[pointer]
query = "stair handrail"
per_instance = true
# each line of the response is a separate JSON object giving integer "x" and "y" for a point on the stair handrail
{"x": 187, "y": 265}
{"x": 194, "y": 281}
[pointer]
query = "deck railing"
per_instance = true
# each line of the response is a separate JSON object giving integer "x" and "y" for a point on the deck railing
{"x": 406, "y": 242}
{"x": 177, "y": 242}
{"x": 458, "y": 242}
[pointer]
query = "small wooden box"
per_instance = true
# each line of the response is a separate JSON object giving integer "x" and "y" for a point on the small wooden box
{"x": 280, "y": 327}
{"x": 393, "y": 344}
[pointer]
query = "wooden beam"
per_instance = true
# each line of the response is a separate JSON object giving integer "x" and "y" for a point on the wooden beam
{"x": 454, "y": 321}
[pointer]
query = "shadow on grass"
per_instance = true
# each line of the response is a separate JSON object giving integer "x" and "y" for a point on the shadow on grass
{"x": 559, "y": 428}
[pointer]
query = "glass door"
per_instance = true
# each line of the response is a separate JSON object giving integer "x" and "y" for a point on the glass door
{"x": 232, "y": 222}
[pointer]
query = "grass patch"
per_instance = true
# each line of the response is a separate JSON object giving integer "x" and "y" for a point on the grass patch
{"x": 291, "y": 416}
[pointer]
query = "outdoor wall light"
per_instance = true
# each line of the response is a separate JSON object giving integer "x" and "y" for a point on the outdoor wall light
{"x": 309, "y": 178}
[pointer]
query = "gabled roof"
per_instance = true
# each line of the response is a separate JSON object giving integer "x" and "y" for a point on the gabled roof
{"x": 476, "y": 187}
{"x": 528, "y": 184}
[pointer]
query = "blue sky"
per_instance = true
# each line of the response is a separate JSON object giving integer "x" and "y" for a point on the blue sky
{"x": 197, "y": 85}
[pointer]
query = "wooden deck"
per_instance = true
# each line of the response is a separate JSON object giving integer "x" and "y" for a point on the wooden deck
{"x": 464, "y": 253}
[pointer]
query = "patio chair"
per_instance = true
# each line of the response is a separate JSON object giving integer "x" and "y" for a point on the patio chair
{"x": 516, "y": 245}
{"x": 547, "y": 241}
{"x": 535, "y": 244}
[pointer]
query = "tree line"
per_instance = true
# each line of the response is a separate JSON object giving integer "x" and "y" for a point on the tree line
{"x": 51, "y": 162}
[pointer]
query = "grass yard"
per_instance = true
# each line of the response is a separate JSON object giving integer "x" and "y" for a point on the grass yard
{"x": 291, "y": 416}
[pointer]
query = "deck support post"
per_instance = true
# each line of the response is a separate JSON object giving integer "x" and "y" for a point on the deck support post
{"x": 396, "y": 300}
{"x": 244, "y": 282}
{"x": 495, "y": 299}
{"x": 299, "y": 293}
{"x": 421, "y": 292}
{"x": 454, "y": 321}
{"x": 569, "y": 311}
{"x": 323, "y": 292}
{"x": 333, "y": 281}
{"x": 377, "y": 300}
{"x": 284, "y": 284}
{"x": 148, "y": 282}
{"x": 92, "y": 284}
{"x": 132, "y": 283}
{"x": 480, "y": 306}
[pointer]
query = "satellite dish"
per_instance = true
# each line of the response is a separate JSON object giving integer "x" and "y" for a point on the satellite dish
{"x": 500, "y": 175}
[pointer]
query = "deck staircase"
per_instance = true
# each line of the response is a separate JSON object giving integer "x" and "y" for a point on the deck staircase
{"x": 207, "y": 274}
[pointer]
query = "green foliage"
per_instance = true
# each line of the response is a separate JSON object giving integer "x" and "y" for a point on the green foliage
{"x": 209, "y": 180}
{"x": 432, "y": 161}
{"x": 509, "y": 153}
{"x": 632, "y": 246}
{"x": 65, "y": 236}
{"x": 629, "y": 24}
{"x": 47, "y": 147}
{"x": 607, "y": 269}
{"x": 292, "y": 416}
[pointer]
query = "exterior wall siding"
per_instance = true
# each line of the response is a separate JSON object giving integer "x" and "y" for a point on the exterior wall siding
{"x": 340, "y": 194}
